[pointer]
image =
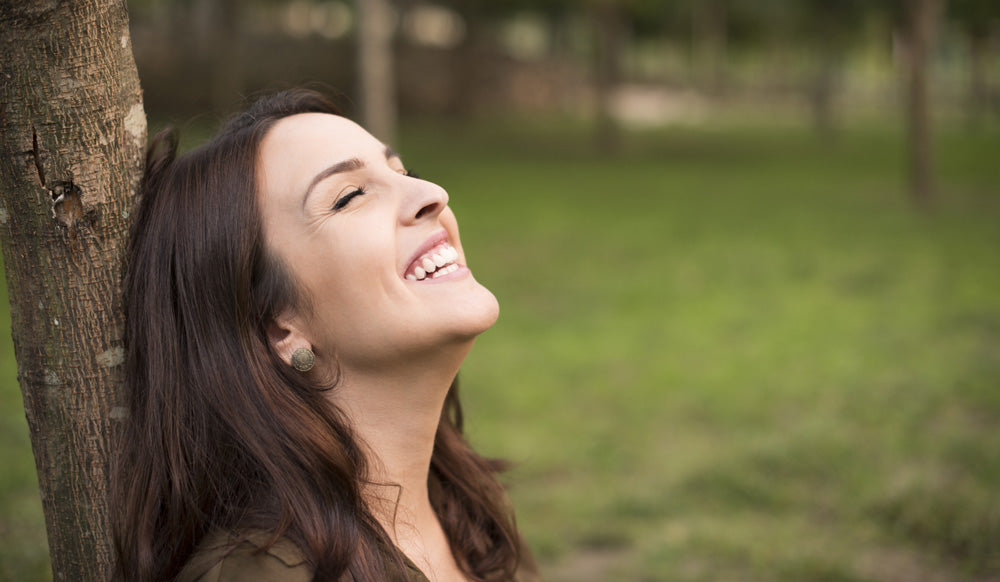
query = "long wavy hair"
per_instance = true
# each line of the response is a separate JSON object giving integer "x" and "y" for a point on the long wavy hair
{"x": 222, "y": 434}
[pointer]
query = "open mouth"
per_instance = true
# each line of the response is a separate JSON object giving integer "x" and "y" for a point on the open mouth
{"x": 437, "y": 262}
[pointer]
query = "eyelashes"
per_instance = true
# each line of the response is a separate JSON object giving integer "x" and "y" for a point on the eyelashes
{"x": 344, "y": 200}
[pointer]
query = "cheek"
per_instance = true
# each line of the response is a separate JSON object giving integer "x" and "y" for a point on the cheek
{"x": 344, "y": 259}
{"x": 347, "y": 283}
{"x": 450, "y": 223}
{"x": 340, "y": 316}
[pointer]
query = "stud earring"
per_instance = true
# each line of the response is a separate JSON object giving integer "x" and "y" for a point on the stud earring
{"x": 303, "y": 359}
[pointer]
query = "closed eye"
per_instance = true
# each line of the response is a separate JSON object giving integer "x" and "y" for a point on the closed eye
{"x": 344, "y": 200}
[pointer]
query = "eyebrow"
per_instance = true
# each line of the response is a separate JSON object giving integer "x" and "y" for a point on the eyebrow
{"x": 339, "y": 168}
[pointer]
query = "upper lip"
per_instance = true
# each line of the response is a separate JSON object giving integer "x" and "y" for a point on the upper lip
{"x": 429, "y": 244}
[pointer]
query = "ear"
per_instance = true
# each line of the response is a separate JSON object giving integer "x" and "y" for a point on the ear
{"x": 285, "y": 335}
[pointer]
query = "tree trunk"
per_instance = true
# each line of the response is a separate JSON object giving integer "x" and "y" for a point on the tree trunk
{"x": 376, "y": 75}
{"x": 824, "y": 85}
{"x": 709, "y": 45}
{"x": 921, "y": 24}
{"x": 72, "y": 130}
{"x": 979, "y": 94}
{"x": 469, "y": 79}
{"x": 217, "y": 25}
{"x": 608, "y": 24}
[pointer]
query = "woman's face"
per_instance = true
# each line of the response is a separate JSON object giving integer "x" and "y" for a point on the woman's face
{"x": 375, "y": 251}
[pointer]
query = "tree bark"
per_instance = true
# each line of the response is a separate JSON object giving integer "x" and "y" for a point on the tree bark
{"x": 376, "y": 74}
{"x": 72, "y": 131}
{"x": 921, "y": 24}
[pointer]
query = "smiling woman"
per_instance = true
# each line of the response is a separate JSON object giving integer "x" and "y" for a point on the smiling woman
{"x": 298, "y": 307}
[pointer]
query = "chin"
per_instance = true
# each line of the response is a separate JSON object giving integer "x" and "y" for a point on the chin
{"x": 491, "y": 313}
{"x": 478, "y": 314}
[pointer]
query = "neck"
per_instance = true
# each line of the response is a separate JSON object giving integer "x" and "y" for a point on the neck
{"x": 395, "y": 412}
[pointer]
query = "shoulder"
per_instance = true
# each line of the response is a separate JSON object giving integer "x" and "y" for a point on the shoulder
{"x": 224, "y": 557}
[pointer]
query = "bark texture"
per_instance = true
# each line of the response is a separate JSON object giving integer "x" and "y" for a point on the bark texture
{"x": 72, "y": 130}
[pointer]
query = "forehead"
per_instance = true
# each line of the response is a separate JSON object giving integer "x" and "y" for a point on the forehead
{"x": 301, "y": 133}
{"x": 300, "y": 145}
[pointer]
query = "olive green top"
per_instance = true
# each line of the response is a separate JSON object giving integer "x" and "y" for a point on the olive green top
{"x": 217, "y": 560}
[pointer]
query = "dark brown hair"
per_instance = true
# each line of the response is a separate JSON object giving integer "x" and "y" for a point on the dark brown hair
{"x": 222, "y": 434}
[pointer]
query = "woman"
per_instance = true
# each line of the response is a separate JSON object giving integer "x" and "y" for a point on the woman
{"x": 298, "y": 306}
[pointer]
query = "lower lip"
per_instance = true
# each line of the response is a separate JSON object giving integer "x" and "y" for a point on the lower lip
{"x": 458, "y": 273}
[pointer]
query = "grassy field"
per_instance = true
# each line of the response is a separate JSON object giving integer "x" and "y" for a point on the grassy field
{"x": 729, "y": 352}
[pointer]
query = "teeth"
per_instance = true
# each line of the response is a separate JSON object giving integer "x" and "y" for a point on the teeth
{"x": 441, "y": 272}
{"x": 440, "y": 262}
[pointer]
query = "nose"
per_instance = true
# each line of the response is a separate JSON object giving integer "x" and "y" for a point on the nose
{"x": 424, "y": 201}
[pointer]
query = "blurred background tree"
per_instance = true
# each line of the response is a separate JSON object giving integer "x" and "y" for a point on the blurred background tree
{"x": 977, "y": 22}
{"x": 916, "y": 24}
{"x": 614, "y": 61}
{"x": 376, "y": 68}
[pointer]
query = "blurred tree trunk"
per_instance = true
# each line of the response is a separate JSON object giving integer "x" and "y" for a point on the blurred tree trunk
{"x": 468, "y": 75}
{"x": 709, "y": 45}
{"x": 72, "y": 131}
{"x": 217, "y": 25}
{"x": 376, "y": 75}
{"x": 977, "y": 20}
{"x": 979, "y": 93}
{"x": 824, "y": 87}
{"x": 609, "y": 26}
{"x": 920, "y": 24}
{"x": 829, "y": 28}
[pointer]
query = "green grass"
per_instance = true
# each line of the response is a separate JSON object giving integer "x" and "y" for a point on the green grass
{"x": 730, "y": 352}
{"x": 23, "y": 546}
